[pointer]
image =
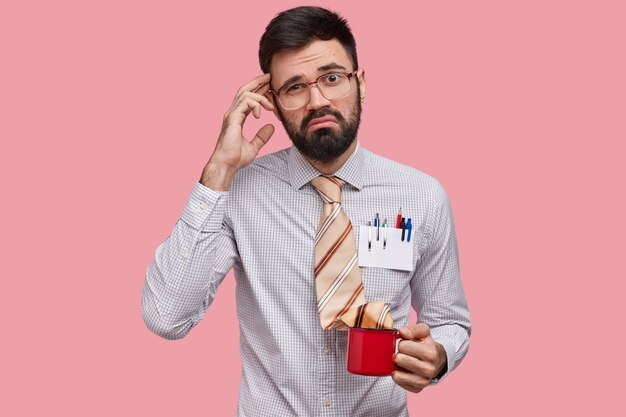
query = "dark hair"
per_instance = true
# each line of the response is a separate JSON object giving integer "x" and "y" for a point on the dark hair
{"x": 296, "y": 28}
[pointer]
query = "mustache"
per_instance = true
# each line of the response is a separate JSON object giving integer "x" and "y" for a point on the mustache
{"x": 324, "y": 111}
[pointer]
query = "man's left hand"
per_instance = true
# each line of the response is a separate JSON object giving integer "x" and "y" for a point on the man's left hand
{"x": 419, "y": 358}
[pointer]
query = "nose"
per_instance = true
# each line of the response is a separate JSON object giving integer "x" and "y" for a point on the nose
{"x": 316, "y": 99}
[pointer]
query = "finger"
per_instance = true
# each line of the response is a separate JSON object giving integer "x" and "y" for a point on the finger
{"x": 247, "y": 96}
{"x": 240, "y": 112}
{"x": 415, "y": 331}
{"x": 262, "y": 136}
{"x": 264, "y": 88}
{"x": 244, "y": 107}
{"x": 406, "y": 362}
{"x": 261, "y": 99}
{"x": 250, "y": 86}
{"x": 418, "y": 367}
{"x": 408, "y": 381}
{"x": 422, "y": 350}
{"x": 255, "y": 83}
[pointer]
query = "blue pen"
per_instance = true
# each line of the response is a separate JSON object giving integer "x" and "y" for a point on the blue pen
{"x": 385, "y": 228}
{"x": 409, "y": 227}
{"x": 377, "y": 225}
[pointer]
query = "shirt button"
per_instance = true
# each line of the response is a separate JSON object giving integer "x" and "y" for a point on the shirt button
{"x": 184, "y": 255}
{"x": 327, "y": 402}
{"x": 327, "y": 350}
{"x": 204, "y": 206}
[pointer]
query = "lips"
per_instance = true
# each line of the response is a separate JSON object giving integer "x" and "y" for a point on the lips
{"x": 320, "y": 122}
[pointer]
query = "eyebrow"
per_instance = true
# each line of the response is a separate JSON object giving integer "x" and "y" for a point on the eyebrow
{"x": 332, "y": 65}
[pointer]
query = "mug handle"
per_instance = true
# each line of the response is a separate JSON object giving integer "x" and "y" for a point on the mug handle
{"x": 398, "y": 340}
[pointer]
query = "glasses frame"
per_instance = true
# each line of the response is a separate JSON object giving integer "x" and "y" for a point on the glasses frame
{"x": 277, "y": 93}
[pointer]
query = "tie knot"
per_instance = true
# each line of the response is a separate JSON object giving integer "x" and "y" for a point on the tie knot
{"x": 328, "y": 187}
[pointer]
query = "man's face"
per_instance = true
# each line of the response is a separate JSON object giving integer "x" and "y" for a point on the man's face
{"x": 319, "y": 139}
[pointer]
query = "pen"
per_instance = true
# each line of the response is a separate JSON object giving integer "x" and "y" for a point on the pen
{"x": 403, "y": 227}
{"x": 377, "y": 224}
{"x": 399, "y": 218}
{"x": 409, "y": 227}
{"x": 369, "y": 236}
{"x": 385, "y": 238}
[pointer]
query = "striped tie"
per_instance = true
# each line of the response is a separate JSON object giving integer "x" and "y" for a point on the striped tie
{"x": 340, "y": 295}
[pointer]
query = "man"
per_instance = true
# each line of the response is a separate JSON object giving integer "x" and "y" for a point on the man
{"x": 260, "y": 216}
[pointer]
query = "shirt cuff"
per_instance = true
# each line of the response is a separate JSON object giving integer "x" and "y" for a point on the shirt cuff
{"x": 205, "y": 208}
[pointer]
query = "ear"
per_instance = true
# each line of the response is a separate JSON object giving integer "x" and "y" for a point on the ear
{"x": 361, "y": 79}
{"x": 274, "y": 102}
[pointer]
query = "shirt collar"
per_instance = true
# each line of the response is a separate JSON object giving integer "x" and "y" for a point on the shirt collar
{"x": 302, "y": 172}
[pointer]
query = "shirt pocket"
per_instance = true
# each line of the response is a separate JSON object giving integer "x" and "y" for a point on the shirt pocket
{"x": 392, "y": 286}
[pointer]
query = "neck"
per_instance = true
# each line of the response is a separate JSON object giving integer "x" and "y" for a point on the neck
{"x": 330, "y": 167}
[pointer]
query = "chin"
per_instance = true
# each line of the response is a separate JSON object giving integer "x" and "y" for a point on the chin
{"x": 325, "y": 133}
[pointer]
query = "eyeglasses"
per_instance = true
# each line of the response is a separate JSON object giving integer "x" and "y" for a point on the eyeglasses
{"x": 332, "y": 86}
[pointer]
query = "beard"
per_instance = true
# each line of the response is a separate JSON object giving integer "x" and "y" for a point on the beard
{"x": 325, "y": 144}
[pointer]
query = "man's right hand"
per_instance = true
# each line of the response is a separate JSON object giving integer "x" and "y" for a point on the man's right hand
{"x": 233, "y": 151}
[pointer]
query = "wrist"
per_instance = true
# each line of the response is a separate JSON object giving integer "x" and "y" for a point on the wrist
{"x": 217, "y": 176}
{"x": 442, "y": 365}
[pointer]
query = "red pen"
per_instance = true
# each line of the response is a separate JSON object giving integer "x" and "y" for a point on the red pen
{"x": 399, "y": 221}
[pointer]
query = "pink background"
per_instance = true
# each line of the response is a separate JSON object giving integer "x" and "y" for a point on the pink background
{"x": 109, "y": 111}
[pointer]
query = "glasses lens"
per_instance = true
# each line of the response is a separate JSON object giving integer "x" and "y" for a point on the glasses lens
{"x": 294, "y": 96}
{"x": 332, "y": 86}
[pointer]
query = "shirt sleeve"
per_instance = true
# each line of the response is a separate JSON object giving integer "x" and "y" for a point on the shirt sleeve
{"x": 437, "y": 292}
{"x": 182, "y": 279}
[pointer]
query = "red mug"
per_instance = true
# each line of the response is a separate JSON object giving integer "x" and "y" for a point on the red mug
{"x": 371, "y": 351}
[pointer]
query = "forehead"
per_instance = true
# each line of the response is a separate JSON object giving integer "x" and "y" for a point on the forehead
{"x": 307, "y": 61}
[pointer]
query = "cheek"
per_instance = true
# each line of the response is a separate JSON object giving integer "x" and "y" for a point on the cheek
{"x": 294, "y": 120}
{"x": 347, "y": 107}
